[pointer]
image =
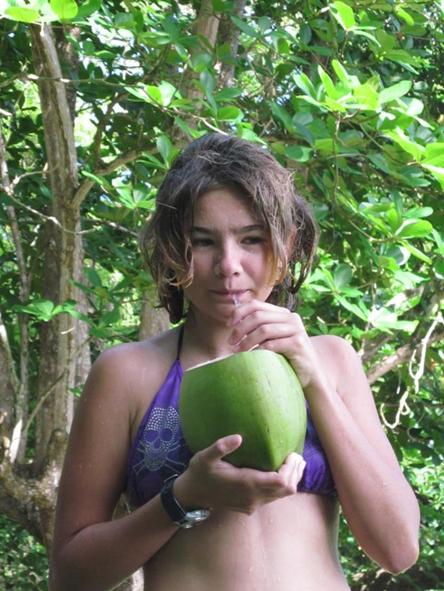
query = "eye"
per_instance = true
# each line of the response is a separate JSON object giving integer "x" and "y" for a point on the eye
{"x": 253, "y": 240}
{"x": 201, "y": 242}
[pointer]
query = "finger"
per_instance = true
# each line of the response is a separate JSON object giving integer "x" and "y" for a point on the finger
{"x": 292, "y": 469}
{"x": 222, "y": 447}
{"x": 248, "y": 322}
{"x": 264, "y": 334}
{"x": 248, "y": 308}
{"x": 298, "y": 471}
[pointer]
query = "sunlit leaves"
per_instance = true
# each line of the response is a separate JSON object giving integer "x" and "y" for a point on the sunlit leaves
{"x": 49, "y": 10}
{"x": 394, "y": 92}
{"x": 64, "y": 9}
{"x": 344, "y": 14}
{"x": 45, "y": 310}
{"x": 22, "y": 14}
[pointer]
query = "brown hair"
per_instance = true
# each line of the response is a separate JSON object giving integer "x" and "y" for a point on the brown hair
{"x": 217, "y": 161}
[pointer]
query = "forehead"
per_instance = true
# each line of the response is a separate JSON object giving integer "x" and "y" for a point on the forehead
{"x": 223, "y": 207}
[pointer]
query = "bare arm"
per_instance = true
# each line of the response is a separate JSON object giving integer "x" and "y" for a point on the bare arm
{"x": 377, "y": 501}
{"x": 90, "y": 550}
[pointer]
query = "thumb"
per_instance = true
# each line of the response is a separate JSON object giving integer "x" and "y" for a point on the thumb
{"x": 223, "y": 447}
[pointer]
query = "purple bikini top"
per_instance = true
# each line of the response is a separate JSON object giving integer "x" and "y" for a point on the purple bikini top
{"x": 159, "y": 449}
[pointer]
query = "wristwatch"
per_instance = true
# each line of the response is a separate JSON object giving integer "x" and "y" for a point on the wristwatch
{"x": 182, "y": 518}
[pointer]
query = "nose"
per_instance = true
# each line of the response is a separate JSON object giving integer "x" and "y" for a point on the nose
{"x": 228, "y": 261}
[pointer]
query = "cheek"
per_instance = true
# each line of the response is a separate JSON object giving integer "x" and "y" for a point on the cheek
{"x": 270, "y": 273}
{"x": 198, "y": 265}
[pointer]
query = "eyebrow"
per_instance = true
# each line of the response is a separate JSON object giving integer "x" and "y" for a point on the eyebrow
{"x": 242, "y": 230}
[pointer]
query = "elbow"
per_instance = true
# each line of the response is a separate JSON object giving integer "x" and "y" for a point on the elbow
{"x": 403, "y": 558}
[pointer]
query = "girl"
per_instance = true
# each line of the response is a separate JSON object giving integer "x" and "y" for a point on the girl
{"x": 222, "y": 245}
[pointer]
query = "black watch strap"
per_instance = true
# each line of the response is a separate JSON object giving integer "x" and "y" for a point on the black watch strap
{"x": 174, "y": 509}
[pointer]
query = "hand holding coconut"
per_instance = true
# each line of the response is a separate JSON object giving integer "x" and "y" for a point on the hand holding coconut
{"x": 261, "y": 324}
{"x": 210, "y": 481}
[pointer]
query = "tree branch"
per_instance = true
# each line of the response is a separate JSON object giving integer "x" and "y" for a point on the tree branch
{"x": 18, "y": 440}
{"x": 400, "y": 356}
{"x": 88, "y": 184}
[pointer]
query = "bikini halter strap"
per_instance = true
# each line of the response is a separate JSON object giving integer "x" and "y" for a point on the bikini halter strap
{"x": 179, "y": 341}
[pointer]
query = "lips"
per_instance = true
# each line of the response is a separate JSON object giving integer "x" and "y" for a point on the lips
{"x": 229, "y": 294}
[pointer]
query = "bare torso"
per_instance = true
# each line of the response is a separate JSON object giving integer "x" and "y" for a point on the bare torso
{"x": 288, "y": 545}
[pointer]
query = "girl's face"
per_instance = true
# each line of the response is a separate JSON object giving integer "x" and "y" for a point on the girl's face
{"x": 231, "y": 255}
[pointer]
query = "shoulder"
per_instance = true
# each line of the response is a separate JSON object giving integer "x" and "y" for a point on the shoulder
{"x": 122, "y": 374}
{"x": 333, "y": 345}
{"x": 340, "y": 359}
{"x": 130, "y": 360}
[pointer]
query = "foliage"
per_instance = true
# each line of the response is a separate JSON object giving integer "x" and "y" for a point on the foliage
{"x": 348, "y": 95}
{"x": 24, "y": 562}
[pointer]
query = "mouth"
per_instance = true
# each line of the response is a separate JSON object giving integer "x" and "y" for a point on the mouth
{"x": 233, "y": 296}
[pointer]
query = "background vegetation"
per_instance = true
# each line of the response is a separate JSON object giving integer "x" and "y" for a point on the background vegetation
{"x": 97, "y": 97}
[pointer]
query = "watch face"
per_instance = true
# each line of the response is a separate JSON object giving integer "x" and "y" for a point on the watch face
{"x": 192, "y": 518}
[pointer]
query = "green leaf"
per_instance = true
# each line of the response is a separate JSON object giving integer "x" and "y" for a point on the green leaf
{"x": 42, "y": 310}
{"x": 437, "y": 172}
{"x": 385, "y": 320}
{"x": 414, "y": 106}
{"x": 394, "y": 92}
{"x": 328, "y": 84}
{"x": 402, "y": 57}
{"x": 88, "y": 7}
{"x": 303, "y": 82}
{"x": 165, "y": 147}
{"x": 379, "y": 161}
{"x": 93, "y": 277}
{"x": 298, "y": 153}
{"x": 434, "y": 154}
{"x": 419, "y": 212}
{"x": 358, "y": 310}
{"x": 21, "y": 14}
{"x": 326, "y": 145}
{"x": 414, "y": 149}
{"x": 223, "y": 5}
{"x": 417, "y": 253}
{"x": 344, "y": 14}
{"x": 208, "y": 84}
{"x": 154, "y": 93}
{"x": 227, "y": 94}
{"x": 342, "y": 276}
{"x": 406, "y": 16}
{"x": 244, "y": 27}
{"x": 281, "y": 114}
{"x": 167, "y": 92}
{"x": 414, "y": 229}
{"x": 366, "y": 34}
{"x": 201, "y": 61}
{"x": 229, "y": 114}
{"x": 100, "y": 180}
{"x": 348, "y": 80}
{"x": 64, "y": 9}
{"x": 367, "y": 98}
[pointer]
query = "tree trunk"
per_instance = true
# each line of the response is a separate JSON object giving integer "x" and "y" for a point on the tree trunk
{"x": 153, "y": 320}
{"x": 229, "y": 34}
{"x": 28, "y": 492}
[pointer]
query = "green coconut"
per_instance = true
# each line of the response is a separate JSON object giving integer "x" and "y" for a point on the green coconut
{"x": 256, "y": 394}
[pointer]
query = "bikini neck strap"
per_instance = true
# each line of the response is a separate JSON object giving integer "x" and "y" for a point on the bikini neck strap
{"x": 180, "y": 341}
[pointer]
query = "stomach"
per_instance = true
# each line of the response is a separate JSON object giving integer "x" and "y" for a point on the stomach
{"x": 290, "y": 544}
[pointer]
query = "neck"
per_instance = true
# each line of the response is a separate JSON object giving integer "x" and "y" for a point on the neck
{"x": 205, "y": 340}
